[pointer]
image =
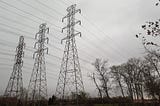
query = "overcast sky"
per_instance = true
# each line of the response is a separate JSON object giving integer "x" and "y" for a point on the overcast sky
{"x": 108, "y": 32}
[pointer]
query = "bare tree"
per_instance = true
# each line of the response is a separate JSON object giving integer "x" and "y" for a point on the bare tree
{"x": 152, "y": 76}
{"x": 133, "y": 77}
{"x": 153, "y": 61}
{"x": 116, "y": 73}
{"x": 102, "y": 73}
{"x": 92, "y": 76}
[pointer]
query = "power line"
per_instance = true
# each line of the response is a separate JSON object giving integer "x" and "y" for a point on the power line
{"x": 45, "y": 13}
{"x": 13, "y": 12}
{"x": 21, "y": 30}
{"x": 86, "y": 61}
{"x": 25, "y": 25}
{"x": 17, "y": 22}
{"x": 31, "y": 37}
{"x": 48, "y": 7}
{"x": 7, "y": 54}
{"x": 16, "y": 29}
{"x": 99, "y": 29}
{"x": 26, "y": 57}
{"x": 28, "y": 13}
{"x": 27, "y": 72}
{"x": 2, "y": 58}
{"x": 67, "y": 1}
{"x": 113, "y": 48}
{"x": 99, "y": 47}
{"x": 62, "y": 1}
{"x": 48, "y": 54}
{"x": 30, "y": 19}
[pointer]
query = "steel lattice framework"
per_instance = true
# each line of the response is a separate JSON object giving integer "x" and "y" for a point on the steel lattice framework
{"x": 70, "y": 82}
{"x": 37, "y": 89}
{"x": 15, "y": 84}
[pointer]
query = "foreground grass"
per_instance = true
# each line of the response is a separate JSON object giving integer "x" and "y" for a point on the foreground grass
{"x": 93, "y": 105}
{"x": 106, "y": 105}
{"x": 125, "y": 104}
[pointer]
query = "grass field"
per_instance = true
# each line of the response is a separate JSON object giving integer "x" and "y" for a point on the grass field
{"x": 127, "y": 104}
{"x": 106, "y": 105}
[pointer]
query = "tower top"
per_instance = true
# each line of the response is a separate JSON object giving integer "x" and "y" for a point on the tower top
{"x": 71, "y": 7}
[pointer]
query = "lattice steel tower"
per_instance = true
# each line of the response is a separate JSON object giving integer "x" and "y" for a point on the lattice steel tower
{"x": 70, "y": 78}
{"x": 15, "y": 84}
{"x": 37, "y": 89}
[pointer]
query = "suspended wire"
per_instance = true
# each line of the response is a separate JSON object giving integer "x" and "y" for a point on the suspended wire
{"x": 48, "y": 63}
{"x": 15, "y": 32}
{"x": 50, "y": 72}
{"x": 11, "y": 44}
{"x": 51, "y": 75}
{"x": 59, "y": 58}
{"x": 121, "y": 55}
{"x": 17, "y": 22}
{"x": 99, "y": 29}
{"x": 7, "y": 50}
{"x": 25, "y": 25}
{"x": 4, "y": 64}
{"x": 67, "y": 1}
{"x": 13, "y": 12}
{"x": 30, "y": 19}
{"x": 20, "y": 30}
{"x": 26, "y": 67}
{"x": 4, "y": 58}
{"x": 38, "y": 1}
{"x": 25, "y": 32}
{"x": 4, "y": 44}
{"x": 28, "y": 13}
{"x": 63, "y": 1}
{"x": 80, "y": 58}
{"x": 101, "y": 32}
{"x": 45, "y": 13}
{"x": 25, "y": 57}
{"x": 80, "y": 50}
{"x": 53, "y": 56}
{"x": 98, "y": 47}
{"x": 15, "y": 29}
{"x": 6, "y": 54}
{"x": 30, "y": 65}
{"x": 86, "y": 61}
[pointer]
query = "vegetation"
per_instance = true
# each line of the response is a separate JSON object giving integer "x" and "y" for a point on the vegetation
{"x": 137, "y": 81}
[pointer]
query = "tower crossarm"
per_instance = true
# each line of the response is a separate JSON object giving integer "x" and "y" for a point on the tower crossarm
{"x": 72, "y": 36}
{"x": 71, "y": 13}
{"x": 72, "y": 24}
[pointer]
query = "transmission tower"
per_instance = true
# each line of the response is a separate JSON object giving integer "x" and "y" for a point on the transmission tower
{"x": 37, "y": 89}
{"x": 70, "y": 82}
{"x": 15, "y": 84}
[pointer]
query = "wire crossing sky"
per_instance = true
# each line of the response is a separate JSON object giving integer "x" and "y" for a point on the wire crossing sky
{"x": 108, "y": 31}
